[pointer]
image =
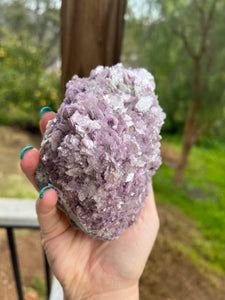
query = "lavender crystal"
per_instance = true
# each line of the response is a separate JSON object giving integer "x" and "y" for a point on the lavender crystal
{"x": 102, "y": 148}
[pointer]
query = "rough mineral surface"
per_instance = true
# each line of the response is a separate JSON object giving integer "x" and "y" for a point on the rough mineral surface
{"x": 102, "y": 148}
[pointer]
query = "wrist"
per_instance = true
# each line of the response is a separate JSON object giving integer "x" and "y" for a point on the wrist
{"x": 130, "y": 293}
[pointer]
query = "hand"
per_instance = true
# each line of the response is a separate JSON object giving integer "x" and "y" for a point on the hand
{"x": 88, "y": 268}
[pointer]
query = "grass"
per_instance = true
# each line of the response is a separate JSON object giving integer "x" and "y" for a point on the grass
{"x": 201, "y": 198}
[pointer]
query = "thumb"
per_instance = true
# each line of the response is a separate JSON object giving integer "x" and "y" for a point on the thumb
{"x": 52, "y": 220}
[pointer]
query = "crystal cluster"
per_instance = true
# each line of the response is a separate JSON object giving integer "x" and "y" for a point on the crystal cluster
{"x": 102, "y": 148}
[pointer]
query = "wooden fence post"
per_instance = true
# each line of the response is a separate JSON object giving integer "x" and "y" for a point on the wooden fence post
{"x": 91, "y": 35}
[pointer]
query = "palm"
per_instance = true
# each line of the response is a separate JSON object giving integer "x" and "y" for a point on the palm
{"x": 103, "y": 263}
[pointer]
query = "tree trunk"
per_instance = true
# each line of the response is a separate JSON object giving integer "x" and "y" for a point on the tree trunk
{"x": 181, "y": 167}
{"x": 91, "y": 35}
{"x": 191, "y": 129}
{"x": 188, "y": 141}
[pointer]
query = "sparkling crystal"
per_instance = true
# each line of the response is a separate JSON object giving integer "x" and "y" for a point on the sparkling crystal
{"x": 102, "y": 148}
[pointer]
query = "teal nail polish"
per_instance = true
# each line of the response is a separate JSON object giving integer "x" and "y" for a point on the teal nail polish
{"x": 24, "y": 149}
{"x": 43, "y": 189}
{"x": 45, "y": 108}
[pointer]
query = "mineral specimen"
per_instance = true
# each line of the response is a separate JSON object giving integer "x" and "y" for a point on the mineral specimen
{"x": 102, "y": 148}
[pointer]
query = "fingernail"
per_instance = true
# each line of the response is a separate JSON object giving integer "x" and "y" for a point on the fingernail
{"x": 24, "y": 149}
{"x": 59, "y": 193}
{"x": 43, "y": 189}
{"x": 45, "y": 108}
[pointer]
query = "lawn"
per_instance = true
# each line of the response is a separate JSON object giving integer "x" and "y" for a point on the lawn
{"x": 201, "y": 198}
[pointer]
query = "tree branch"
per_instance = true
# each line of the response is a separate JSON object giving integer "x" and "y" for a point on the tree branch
{"x": 201, "y": 13}
{"x": 185, "y": 42}
{"x": 205, "y": 26}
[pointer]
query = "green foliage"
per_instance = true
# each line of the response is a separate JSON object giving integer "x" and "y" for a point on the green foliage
{"x": 25, "y": 84}
{"x": 154, "y": 41}
{"x": 39, "y": 20}
{"x": 202, "y": 198}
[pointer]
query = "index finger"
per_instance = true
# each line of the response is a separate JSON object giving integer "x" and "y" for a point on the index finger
{"x": 46, "y": 116}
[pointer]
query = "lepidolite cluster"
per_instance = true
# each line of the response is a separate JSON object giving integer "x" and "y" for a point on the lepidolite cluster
{"x": 102, "y": 148}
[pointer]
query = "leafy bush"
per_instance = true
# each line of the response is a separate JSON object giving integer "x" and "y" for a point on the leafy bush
{"x": 25, "y": 86}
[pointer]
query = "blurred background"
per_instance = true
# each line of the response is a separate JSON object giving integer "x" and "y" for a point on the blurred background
{"x": 182, "y": 43}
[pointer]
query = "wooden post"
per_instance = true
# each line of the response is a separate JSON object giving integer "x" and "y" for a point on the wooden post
{"x": 91, "y": 35}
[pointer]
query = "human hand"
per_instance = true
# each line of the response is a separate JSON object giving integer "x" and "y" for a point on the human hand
{"x": 88, "y": 268}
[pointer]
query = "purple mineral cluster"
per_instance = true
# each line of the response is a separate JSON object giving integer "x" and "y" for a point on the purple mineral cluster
{"x": 102, "y": 148}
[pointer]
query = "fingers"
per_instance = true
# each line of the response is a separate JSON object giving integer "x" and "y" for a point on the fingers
{"x": 53, "y": 222}
{"x": 30, "y": 158}
{"x": 46, "y": 114}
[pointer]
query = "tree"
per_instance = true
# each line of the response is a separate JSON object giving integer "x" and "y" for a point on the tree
{"x": 182, "y": 43}
{"x": 39, "y": 20}
{"x": 25, "y": 57}
{"x": 195, "y": 27}
{"x": 91, "y": 35}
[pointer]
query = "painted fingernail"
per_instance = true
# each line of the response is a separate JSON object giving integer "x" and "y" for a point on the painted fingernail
{"x": 45, "y": 108}
{"x": 24, "y": 149}
{"x": 50, "y": 186}
{"x": 43, "y": 189}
